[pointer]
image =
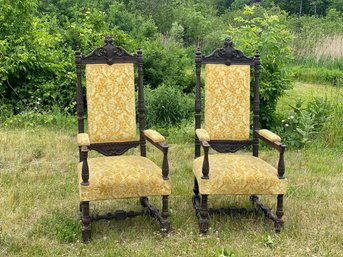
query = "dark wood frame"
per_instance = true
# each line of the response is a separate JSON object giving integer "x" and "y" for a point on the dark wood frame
{"x": 228, "y": 55}
{"x": 110, "y": 54}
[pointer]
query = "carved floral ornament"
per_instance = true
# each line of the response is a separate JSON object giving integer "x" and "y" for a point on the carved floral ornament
{"x": 228, "y": 53}
{"x": 109, "y": 51}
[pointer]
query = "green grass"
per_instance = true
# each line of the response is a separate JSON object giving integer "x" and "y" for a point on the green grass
{"x": 39, "y": 201}
{"x": 317, "y": 74}
{"x": 306, "y": 92}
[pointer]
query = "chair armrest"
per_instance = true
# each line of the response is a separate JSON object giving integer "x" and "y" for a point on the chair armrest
{"x": 83, "y": 139}
{"x": 270, "y": 138}
{"x": 202, "y": 135}
{"x": 157, "y": 140}
{"x": 154, "y": 136}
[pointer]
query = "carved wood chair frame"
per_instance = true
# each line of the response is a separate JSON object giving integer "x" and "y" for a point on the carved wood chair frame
{"x": 111, "y": 54}
{"x": 228, "y": 55}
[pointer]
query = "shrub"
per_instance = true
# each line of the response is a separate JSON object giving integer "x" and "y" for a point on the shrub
{"x": 303, "y": 124}
{"x": 270, "y": 35}
{"x": 167, "y": 65}
{"x": 167, "y": 106}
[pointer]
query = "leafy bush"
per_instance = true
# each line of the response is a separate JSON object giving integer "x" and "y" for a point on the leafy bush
{"x": 166, "y": 106}
{"x": 303, "y": 124}
{"x": 270, "y": 36}
{"x": 34, "y": 118}
{"x": 167, "y": 65}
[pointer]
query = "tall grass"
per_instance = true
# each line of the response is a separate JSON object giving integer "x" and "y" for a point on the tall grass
{"x": 319, "y": 60}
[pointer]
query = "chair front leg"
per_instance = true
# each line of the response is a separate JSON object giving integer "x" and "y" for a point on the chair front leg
{"x": 165, "y": 224}
{"x": 85, "y": 221}
{"x": 278, "y": 224}
{"x": 203, "y": 215}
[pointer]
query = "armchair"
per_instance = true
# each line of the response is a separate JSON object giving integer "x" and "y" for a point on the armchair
{"x": 111, "y": 118}
{"x": 227, "y": 130}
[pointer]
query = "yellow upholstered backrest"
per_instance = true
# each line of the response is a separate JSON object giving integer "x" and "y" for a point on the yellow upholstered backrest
{"x": 227, "y": 101}
{"x": 111, "y": 102}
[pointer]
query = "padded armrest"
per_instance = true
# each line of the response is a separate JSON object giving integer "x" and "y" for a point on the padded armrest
{"x": 202, "y": 134}
{"x": 269, "y": 135}
{"x": 154, "y": 136}
{"x": 83, "y": 139}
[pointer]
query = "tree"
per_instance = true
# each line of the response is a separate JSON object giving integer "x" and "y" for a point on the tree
{"x": 270, "y": 36}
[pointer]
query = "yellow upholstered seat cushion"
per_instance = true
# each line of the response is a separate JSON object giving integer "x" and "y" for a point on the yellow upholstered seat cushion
{"x": 236, "y": 174}
{"x": 122, "y": 177}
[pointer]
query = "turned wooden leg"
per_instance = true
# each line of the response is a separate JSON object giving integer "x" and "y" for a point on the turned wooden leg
{"x": 278, "y": 224}
{"x": 203, "y": 217}
{"x": 85, "y": 221}
{"x": 165, "y": 224}
{"x": 196, "y": 197}
{"x": 143, "y": 200}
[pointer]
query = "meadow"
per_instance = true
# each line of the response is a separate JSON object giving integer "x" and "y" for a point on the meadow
{"x": 39, "y": 198}
{"x": 39, "y": 213}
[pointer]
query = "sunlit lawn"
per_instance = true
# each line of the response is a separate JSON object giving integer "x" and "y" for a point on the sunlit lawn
{"x": 39, "y": 213}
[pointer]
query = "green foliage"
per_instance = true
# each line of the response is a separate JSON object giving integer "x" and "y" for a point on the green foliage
{"x": 32, "y": 118}
{"x": 320, "y": 75}
{"x": 303, "y": 124}
{"x": 167, "y": 106}
{"x": 269, "y": 35}
{"x": 317, "y": 41}
{"x": 167, "y": 65}
{"x": 317, "y": 7}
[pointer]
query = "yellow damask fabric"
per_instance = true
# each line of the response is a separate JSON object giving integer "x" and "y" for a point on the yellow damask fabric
{"x": 111, "y": 102}
{"x": 269, "y": 135}
{"x": 227, "y": 101}
{"x": 122, "y": 177}
{"x": 238, "y": 174}
{"x": 83, "y": 139}
{"x": 154, "y": 135}
{"x": 202, "y": 135}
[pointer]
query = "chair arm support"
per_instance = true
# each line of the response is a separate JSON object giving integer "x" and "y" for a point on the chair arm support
{"x": 83, "y": 142}
{"x": 85, "y": 169}
{"x": 281, "y": 164}
{"x": 205, "y": 164}
{"x": 274, "y": 141}
{"x": 157, "y": 140}
{"x": 202, "y": 135}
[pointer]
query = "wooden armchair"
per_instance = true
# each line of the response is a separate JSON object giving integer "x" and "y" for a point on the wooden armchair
{"x": 111, "y": 118}
{"x": 227, "y": 129}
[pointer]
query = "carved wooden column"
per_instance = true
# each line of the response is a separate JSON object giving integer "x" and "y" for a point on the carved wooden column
{"x": 141, "y": 103}
{"x": 256, "y": 104}
{"x": 197, "y": 107}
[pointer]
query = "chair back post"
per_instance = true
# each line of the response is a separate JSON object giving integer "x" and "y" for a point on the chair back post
{"x": 141, "y": 103}
{"x": 256, "y": 103}
{"x": 197, "y": 107}
{"x": 80, "y": 105}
